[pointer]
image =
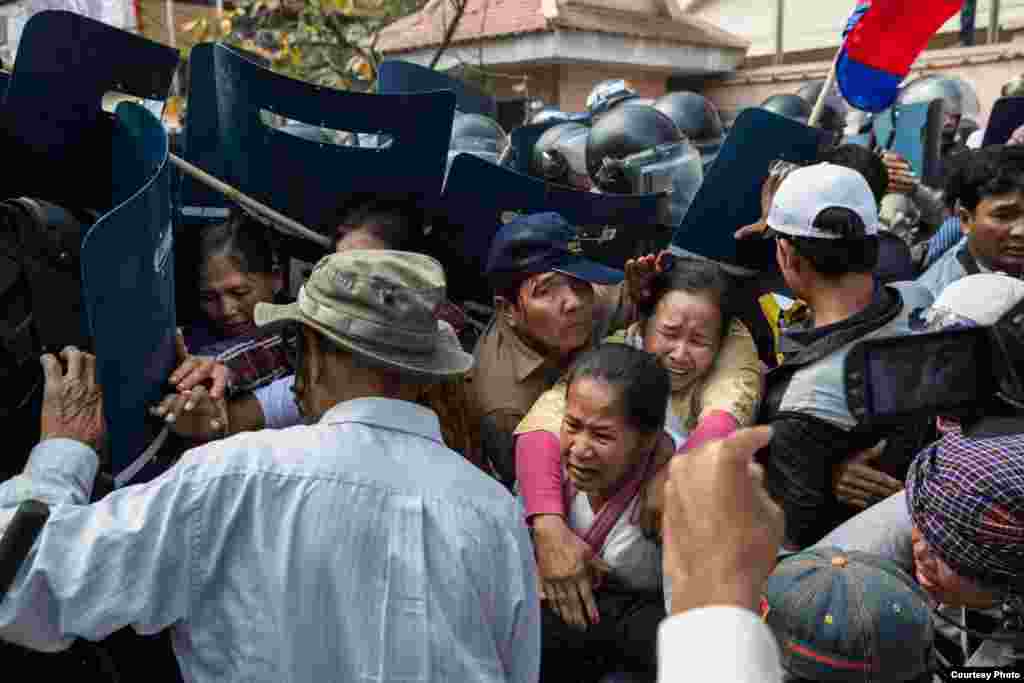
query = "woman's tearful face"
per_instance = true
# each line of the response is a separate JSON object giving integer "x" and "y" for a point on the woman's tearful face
{"x": 598, "y": 447}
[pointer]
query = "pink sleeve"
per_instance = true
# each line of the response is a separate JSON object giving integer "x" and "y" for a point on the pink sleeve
{"x": 717, "y": 424}
{"x": 539, "y": 473}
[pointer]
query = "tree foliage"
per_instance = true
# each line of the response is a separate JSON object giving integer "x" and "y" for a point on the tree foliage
{"x": 328, "y": 42}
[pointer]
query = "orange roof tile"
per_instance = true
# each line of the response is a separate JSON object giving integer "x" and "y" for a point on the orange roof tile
{"x": 489, "y": 19}
{"x": 482, "y": 19}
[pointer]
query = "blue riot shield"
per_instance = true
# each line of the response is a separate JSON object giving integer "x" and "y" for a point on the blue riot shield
{"x": 479, "y": 197}
{"x": 1007, "y": 115}
{"x": 197, "y": 203}
{"x": 128, "y": 286}
{"x": 730, "y": 196}
{"x": 55, "y": 134}
{"x": 306, "y": 180}
{"x": 395, "y": 77}
{"x": 915, "y": 132}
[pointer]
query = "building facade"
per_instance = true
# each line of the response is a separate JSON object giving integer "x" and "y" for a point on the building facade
{"x": 737, "y": 52}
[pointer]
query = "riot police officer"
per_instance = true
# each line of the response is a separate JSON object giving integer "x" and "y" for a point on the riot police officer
{"x": 560, "y": 155}
{"x": 607, "y": 94}
{"x": 697, "y": 118}
{"x": 638, "y": 149}
{"x": 478, "y": 135}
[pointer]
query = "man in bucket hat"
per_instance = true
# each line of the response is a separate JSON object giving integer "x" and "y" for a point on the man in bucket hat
{"x": 356, "y": 546}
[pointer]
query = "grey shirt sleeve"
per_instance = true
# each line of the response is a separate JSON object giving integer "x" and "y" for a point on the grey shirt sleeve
{"x": 883, "y": 529}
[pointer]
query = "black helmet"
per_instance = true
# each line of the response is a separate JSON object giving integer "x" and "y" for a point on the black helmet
{"x": 959, "y": 97}
{"x": 477, "y": 135}
{"x": 834, "y": 116}
{"x": 560, "y": 155}
{"x": 639, "y": 149}
{"x": 791, "y": 106}
{"x": 607, "y": 94}
{"x": 696, "y": 116}
{"x": 548, "y": 114}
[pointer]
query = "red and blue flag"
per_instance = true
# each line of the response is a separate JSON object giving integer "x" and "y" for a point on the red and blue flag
{"x": 881, "y": 41}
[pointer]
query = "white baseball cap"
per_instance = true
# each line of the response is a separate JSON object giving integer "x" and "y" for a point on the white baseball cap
{"x": 808, "y": 191}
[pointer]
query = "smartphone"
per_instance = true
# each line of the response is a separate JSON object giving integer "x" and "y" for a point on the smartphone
{"x": 891, "y": 380}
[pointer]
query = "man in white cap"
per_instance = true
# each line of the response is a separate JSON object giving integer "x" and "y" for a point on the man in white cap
{"x": 825, "y": 222}
{"x": 356, "y": 547}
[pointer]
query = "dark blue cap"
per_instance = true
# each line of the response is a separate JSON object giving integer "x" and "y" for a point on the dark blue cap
{"x": 848, "y": 616}
{"x": 540, "y": 243}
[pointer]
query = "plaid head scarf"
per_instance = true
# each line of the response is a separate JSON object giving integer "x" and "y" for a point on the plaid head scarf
{"x": 966, "y": 497}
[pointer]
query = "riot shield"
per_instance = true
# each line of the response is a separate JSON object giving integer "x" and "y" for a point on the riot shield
{"x": 730, "y": 196}
{"x": 915, "y": 132}
{"x": 479, "y": 197}
{"x": 305, "y": 180}
{"x": 55, "y": 134}
{"x": 128, "y": 286}
{"x": 197, "y": 203}
{"x": 1007, "y": 116}
{"x": 396, "y": 77}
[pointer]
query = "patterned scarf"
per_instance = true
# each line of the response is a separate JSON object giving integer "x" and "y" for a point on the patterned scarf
{"x": 966, "y": 496}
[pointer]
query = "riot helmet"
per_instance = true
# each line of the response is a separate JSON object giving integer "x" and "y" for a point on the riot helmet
{"x": 696, "y": 116}
{"x": 791, "y": 106}
{"x": 642, "y": 101}
{"x": 607, "y": 94}
{"x": 958, "y": 97}
{"x": 560, "y": 155}
{"x": 698, "y": 119}
{"x": 833, "y": 117}
{"x": 548, "y": 114}
{"x": 637, "y": 149}
{"x": 478, "y": 135}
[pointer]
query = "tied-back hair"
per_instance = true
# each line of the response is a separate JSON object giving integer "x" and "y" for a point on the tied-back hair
{"x": 853, "y": 251}
{"x": 986, "y": 172}
{"x": 247, "y": 242}
{"x": 693, "y": 276}
{"x": 639, "y": 379}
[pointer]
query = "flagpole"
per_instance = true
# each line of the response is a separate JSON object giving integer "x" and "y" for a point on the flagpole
{"x": 819, "y": 106}
{"x": 278, "y": 220}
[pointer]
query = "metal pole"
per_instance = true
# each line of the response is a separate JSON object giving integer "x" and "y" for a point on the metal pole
{"x": 171, "y": 28}
{"x": 278, "y": 220}
{"x": 993, "y": 21}
{"x": 780, "y": 12}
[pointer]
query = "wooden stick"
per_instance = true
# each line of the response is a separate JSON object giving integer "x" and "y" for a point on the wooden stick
{"x": 819, "y": 106}
{"x": 278, "y": 220}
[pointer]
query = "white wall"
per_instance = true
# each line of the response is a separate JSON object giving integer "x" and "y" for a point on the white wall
{"x": 119, "y": 13}
{"x": 811, "y": 24}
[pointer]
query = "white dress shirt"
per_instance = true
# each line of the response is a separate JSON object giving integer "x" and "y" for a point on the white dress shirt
{"x": 356, "y": 549}
{"x": 717, "y": 645}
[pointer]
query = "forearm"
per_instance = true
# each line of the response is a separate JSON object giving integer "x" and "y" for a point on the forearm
{"x": 539, "y": 473}
{"x": 245, "y": 415}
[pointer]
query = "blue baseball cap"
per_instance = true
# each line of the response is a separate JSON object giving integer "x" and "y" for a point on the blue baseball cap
{"x": 540, "y": 243}
{"x": 848, "y": 616}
